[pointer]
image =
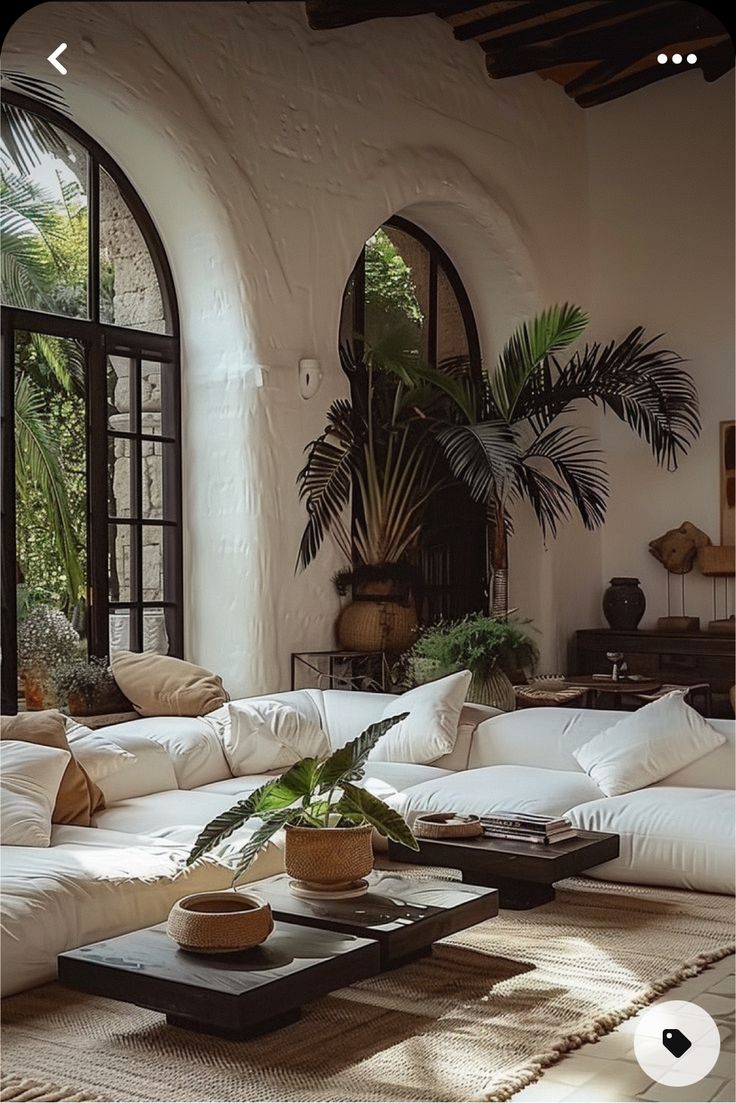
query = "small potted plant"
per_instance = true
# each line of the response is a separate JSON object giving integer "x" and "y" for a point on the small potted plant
{"x": 46, "y": 640}
{"x": 327, "y": 818}
{"x": 88, "y": 687}
{"x": 489, "y": 647}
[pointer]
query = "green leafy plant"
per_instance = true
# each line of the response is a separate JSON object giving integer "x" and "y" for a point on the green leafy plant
{"x": 312, "y": 793}
{"x": 90, "y": 679}
{"x": 476, "y": 643}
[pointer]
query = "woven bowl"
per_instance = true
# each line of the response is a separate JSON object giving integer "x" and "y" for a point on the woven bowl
{"x": 328, "y": 855}
{"x": 447, "y": 825}
{"x": 219, "y": 922}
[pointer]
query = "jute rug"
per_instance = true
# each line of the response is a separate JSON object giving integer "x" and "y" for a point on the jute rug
{"x": 480, "y": 1019}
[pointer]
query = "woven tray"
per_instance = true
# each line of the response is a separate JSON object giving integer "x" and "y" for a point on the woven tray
{"x": 447, "y": 825}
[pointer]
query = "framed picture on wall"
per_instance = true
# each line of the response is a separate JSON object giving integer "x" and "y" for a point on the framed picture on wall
{"x": 727, "y": 462}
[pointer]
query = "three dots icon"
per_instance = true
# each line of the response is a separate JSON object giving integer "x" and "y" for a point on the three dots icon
{"x": 677, "y": 59}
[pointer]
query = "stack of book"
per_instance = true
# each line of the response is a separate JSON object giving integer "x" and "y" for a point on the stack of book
{"x": 543, "y": 830}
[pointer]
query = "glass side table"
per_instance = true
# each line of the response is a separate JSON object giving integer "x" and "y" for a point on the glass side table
{"x": 369, "y": 671}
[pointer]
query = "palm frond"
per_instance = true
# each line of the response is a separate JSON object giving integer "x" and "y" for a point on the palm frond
{"x": 528, "y": 346}
{"x": 644, "y": 386}
{"x": 483, "y": 456}
{"x": 325, "y": 481}
{"x": 577, "y": 464}
{"x": 27, "y": 137}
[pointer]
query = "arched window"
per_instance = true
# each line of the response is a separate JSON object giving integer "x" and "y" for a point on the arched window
{"x": 91, "y": 398}
{"x": 404, "y": 278}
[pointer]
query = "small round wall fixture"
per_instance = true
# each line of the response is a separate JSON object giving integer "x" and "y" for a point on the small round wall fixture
{"x": 310, "y": 377}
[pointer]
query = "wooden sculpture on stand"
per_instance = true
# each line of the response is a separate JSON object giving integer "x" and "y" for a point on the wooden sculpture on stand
{"x": 677, "y": 551}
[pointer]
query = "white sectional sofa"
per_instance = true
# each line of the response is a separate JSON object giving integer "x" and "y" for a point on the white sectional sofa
{"x": 126, "y": 872}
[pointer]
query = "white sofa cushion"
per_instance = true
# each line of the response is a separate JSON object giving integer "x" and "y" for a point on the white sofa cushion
{"x": 269, "y": 735}
{"x": 145, "y": 768}
{"x": 647, "y": 745}
{"x": 30, "y": 776}
{"x": 95, "y": 753}
{"x": 548, "y": 737}
{"x": 190, "y": 742}
{"x": 431, "y": 728}
{"x": 178, "y": 816}
{"x": 89, "y": 884}
{"x": 683, "y": 838}
{"x": 496, "y": 788}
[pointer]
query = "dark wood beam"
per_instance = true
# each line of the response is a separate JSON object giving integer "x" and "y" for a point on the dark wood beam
{"x": 601, "y": 12}
{"x": 510, "y": 17}
{"x": 713, "y": 63}
{"x": 325, "y": 15}
{"x": 633, "y": 38}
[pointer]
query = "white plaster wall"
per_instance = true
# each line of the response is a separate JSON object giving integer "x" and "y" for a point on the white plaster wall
{"x": 266, "y": 154}
{"x": 662, "y": 250}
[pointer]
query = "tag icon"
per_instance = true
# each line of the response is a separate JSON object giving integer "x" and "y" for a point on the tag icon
{"x": 675, "y": 1041}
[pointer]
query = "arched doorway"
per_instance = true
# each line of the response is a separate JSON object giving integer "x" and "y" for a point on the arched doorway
{"x": 403, "y": 277}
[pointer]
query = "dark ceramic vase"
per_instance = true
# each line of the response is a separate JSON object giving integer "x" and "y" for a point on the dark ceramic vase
{"x": 624, "y": 603}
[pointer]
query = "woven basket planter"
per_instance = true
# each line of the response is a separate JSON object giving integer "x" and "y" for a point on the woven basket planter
{"x": 377, "y": 626}
{"x": 328, "y": 855}
{"x": 494, "y": 690}
{"x": 220, "y": 922}
{"x": 447, "y": 825}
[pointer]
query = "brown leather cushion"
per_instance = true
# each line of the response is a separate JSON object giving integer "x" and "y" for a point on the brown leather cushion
{"x": 78, "y": 798}
{"x": 158, "y": 685}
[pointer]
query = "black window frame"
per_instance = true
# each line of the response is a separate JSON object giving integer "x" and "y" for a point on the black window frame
{"x": 100, "y": 340}
{"x": 444, "y": 592}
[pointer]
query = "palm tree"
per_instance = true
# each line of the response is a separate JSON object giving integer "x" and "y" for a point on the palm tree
{"x": 507, "y": 438}
{"x": 35, "y": 244}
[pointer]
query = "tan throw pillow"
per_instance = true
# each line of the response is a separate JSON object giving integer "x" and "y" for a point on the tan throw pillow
{"x": 78, "y": 797}
{"x": 158, "y": 685}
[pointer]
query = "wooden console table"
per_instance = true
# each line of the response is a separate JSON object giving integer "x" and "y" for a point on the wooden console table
{"x": 685, "y": 658}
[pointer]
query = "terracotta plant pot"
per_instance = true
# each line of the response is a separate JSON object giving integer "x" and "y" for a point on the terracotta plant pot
{"x": 328, "y": 855}
{"x": 38, "y": 692}
{"x": 220, "y": 922}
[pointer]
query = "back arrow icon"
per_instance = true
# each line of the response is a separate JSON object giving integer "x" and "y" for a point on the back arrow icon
{"x": 54, "y": 58}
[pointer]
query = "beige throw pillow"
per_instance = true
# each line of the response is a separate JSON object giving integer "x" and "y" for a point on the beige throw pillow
{"x": 78, "y": 798}
{"x": 158, "y": 685}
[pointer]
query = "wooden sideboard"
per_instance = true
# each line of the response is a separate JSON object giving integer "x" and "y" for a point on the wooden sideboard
{"x": 683, "y": 658}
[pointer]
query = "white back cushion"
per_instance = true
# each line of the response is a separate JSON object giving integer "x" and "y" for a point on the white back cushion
{"x": 647, "y": 745}
{"x": 548, "y": 736}
{"x": 29, "y": 781}
{"x": 429, "y": 730}
{"x": 146, "y": 769}
{"x": 190, "y": 742}
{"x": 347, "y": 713}
{"x": 269, "y": 735}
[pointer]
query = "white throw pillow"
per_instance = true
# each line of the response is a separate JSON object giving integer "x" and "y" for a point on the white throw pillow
{"x": 647, "y": 746}
{"x": 430, "y": 729}
{"x": 30, "y": 779}
{"x": 95, "y": 753}
{"x": 269, "y": 735}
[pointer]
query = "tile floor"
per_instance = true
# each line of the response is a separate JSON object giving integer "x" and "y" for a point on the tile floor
{"x": 607, "y": 1071}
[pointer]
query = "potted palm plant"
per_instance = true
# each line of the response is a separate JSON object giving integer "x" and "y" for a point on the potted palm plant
{"x": 507, "y": 437}
{"x": 377, "y": 453}
{"x": 328, "y": 819}
{"x": 490, "y": 648}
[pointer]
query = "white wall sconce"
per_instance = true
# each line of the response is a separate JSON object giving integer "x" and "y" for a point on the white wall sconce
{"x": 310, "y": 378}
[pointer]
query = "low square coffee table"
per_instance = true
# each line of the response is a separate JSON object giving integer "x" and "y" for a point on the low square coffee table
{"x": 523, "y": 873}
{"x": 232, "y": 995}
{"x": 404, "y": 915}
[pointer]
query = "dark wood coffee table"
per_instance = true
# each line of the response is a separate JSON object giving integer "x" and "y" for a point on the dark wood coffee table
{"x": 523, "y": 873}
{"x": 404, "y": 915}
{"x": 233, "y": 995}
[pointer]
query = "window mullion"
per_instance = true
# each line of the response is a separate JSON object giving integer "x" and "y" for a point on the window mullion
{"x": 93, "y": 239}
{"x": 97, "y": 530}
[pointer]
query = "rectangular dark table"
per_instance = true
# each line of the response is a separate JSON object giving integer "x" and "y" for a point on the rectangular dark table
{"x": 404, "y": 915}
{"x": 233, "y": 995}
{"x": 523, "y": 873}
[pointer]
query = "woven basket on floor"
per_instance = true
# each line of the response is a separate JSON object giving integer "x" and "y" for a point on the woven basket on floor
{"x": 328, "y": 855}
{"x": 220, "y": 922}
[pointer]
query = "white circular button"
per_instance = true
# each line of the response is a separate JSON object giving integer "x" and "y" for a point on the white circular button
{"x": 692, "y": 58}
{"x": 676, "y": 1043}
{"x": 662, "y": 59}
{"x": 677, "y": 58}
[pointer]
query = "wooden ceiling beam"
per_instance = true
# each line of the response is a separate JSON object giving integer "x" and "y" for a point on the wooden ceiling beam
{"x": 603, "y": 11}
{"x": 511, "y": 16}
{"x": 713, "y": 63}
{"x": 636, "y": 37}
{"x": 327, "y": 15}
